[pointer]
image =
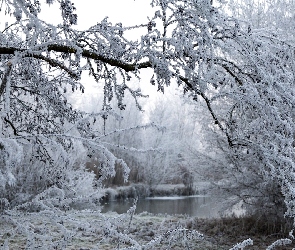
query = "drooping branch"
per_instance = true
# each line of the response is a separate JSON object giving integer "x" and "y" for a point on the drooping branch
{"x": 233, "y": 69}
{"x": 71, "y": 50}
{"x": 56, "y": 64}
{"x": 191, "y": 88}
{"x": 95, "y": 56}
{"x": 227, "y": 65}
{"x": 126, "y": 67}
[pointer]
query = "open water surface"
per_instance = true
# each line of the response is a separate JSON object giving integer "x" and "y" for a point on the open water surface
{"x": 196, "y": 205}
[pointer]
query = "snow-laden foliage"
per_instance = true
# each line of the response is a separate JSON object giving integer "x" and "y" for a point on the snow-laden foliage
{"x": 256, "y": 109}
{"x": 243, "y": 244}
{"x": 275, "y": 15}
{"x": 243, "y": 75}
{"x": 281, "y": 242}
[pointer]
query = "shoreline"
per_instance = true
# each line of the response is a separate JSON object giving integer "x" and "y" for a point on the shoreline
{"x": 141, "y": 190}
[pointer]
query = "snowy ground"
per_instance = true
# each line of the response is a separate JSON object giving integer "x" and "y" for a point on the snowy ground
{"x": 93, "y": 230}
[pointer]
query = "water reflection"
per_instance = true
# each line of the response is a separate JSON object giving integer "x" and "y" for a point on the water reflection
{"x": 200, "y": 206}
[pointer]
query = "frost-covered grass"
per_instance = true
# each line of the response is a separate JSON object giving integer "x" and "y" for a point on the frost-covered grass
{"x": 93, "y": 230}
{"x": 225, "y": 233}
{"x": 89, "y": 229}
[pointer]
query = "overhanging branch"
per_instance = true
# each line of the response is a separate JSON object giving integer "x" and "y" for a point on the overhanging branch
{"x": 120, "y": 64}
{"x": 71, "y": 50}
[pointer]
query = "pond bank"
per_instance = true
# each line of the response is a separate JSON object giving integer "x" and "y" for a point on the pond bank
{"x": 141, "y": 190}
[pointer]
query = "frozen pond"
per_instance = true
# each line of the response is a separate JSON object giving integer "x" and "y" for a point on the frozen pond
{"x": 200, "y": 206}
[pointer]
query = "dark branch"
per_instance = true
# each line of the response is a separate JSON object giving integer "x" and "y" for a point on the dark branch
{"x": 232, "y": 74}
{"x": 11, "y": 125}
{"x": 95, "y": 56}
{"x": 56, "y": 64}
{"x": 5, "y": 78}
{"x": 70, "y": 50}
{"x": 191, "y": 88}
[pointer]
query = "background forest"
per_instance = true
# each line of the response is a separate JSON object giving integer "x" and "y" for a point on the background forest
{"x": 202, "y": 92}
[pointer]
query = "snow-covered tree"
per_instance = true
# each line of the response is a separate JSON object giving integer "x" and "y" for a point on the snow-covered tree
{"x": 276, "y": 15}
{"x": 238, "y": 172}
{"x": 170, "y": 163}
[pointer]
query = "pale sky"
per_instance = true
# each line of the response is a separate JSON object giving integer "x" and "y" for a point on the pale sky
{"x": 129, "y": 13}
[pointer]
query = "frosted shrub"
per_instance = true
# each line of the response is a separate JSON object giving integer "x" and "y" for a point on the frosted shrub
{"x": 61, "y": 182}
{"x": 281, "y": 242}
{"x": 243, "y": 244}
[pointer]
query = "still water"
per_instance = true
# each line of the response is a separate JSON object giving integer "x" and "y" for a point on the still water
{"x": 200, "y": 206}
